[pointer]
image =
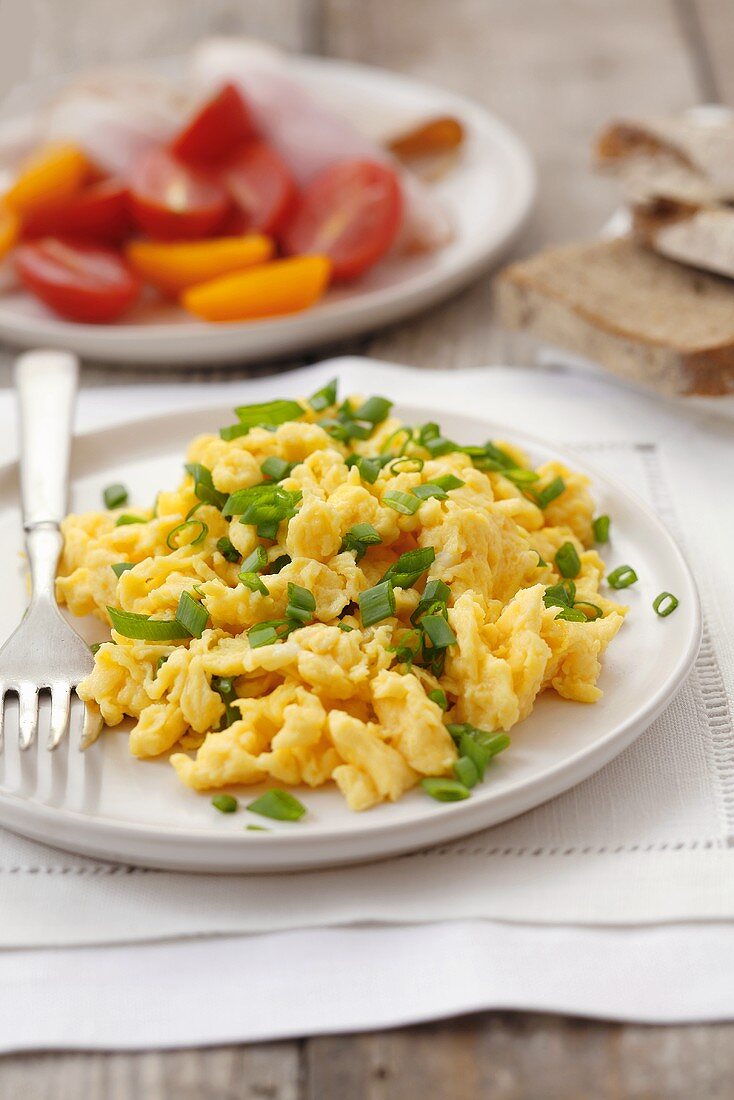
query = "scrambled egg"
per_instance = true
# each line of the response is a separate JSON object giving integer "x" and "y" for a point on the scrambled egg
{"x": 332, "y": 699}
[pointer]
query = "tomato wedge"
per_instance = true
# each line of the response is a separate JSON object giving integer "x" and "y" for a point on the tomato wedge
{"x": 223, "y": 123}
{"x": 78, "y": 280}
{"x": 350, "y": 212}
{"x": 100, "y": 212}
{"x": 262, "y": 187}
{"x": 171, "y": 201}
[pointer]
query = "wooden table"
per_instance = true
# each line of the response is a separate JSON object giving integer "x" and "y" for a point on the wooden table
{"x": 554, "y": 70}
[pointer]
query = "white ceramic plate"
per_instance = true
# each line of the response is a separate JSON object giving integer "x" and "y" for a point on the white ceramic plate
{"x": 105, "y": 803}
{"x": 488, "y": 194}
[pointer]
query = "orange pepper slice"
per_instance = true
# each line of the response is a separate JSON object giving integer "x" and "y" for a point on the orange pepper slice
{"x": 9, "y": 230}
{"x": 283, "y": 286}
{"x": 174, "y": 267}
{"x": 50, "y": 176}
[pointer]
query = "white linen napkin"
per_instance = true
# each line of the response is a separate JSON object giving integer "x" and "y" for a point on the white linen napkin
{"x": 645, "y": 840}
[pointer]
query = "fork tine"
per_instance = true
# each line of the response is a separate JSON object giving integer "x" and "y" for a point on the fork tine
{"x": 92, "y": 728}
{"x": 60, "y": 707}
{"x": 3, "y": 692}
{"x": 28, "y": 715}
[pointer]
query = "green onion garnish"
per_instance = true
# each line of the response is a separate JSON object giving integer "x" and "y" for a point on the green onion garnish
{"x": 541, "y": 562}
{"x": 543, "y": 497}
{"x": 198, "y": 529}
{"x": 228, "y": 550}
{"x": 407, "y": 647}
{"x": 325, "y": 397}
{"x": 253, "y": 582}
{"x": 204, "y": 485}
{"x": 143, "y": 628}
{"x": 263, "y": 506}
{"x": 374, "y": 410}
{"x": 224, "y": 686}
{"x": 125, "y": 520}
{"x": 377, "y": 603}
{"x": 567, "y": 560}
{"x": 406, "y": 464}
{"x": 571, "y": 615}
{"x": 369, "y": 468}
{"x": 622, "y": 577}
{"x": 276, "y": 468}
{"x": 560, "y": 595}
{"x": 278, "y": 564}
{"x": 280, "y": 805}
{"x": 601, "y": 528}
{"x": 435, "y": 596}
{"x": 301, "y": 603}
{"x": 358, "y": 538}
{"x": 345, "y": 627}
{"x": 160, "y": 663}
{"x": 445, "y": 790}
{"x": 225, "y": 803}
{"x": 257, "y": 829}
{"x": 440, "y": 634}
{"x": 192, "y": 615}
{"x": 268, "y": 633}
{"x": 466, "y": 771}
{"x": 665, "y": 604}
{"x": 95, "y": 648}
{"x": 491, "y": 741}
{"x": 405, "y": 503}
{"x": 448, "y": 482}
{"x": 438, "y": 696}
{"x": 122, "y": 567}
{"x": 471, "y": 748}
{"x": 438, "y": 445}
{"x": 430, "y": 489}
{"x": 268, "y": 414}
{"x": 410, "y": 566}
{"x": 389, "y": 443}
{"x": 115, "y": 495}
{"x": 597, "y": 611}
{"x": 256, "y": 561}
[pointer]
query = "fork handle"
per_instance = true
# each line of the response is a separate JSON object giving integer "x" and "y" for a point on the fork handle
{"x": 46, "y": 382}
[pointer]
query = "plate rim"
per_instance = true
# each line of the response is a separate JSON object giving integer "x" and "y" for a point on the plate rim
{"x": 386, "y": 838}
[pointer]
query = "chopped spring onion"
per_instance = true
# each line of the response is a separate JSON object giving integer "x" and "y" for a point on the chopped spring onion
{"x": 262, "y": 505}
{"x": 95, "y": 648}
{"x": 476, "y": 752}
{"x": 466, "y": 771}
{"x": 436, "y": 594}
{"x": 268, "y": 414}
{"x": 199, "y": 530}
{"x": 445, "y": 790}
{"x": 391, "y": 447}
{"x": 438, "y": 445}
{"x": 405, "y": 503}
{"x": 192, "y": 615}
{"x": 204, "y": 485}
{"x": 377, "y": 603}
{"x": 256, "y": 561}
{"x": 408, "y": 646}
{"x": 160, "y": 663}
{"x": 665, "y": 604}
{"x": 325, "y": 397}
{"x": 253, "y": 582}
{"x": 143, "y": 628}
{"x": 439, "y": 697}
{"x": 115, "y": 495}
{"x": 276, "y": 468}
{"x": 541, "y": 563}
{"x": 257, "y": 829}
{"x": 519, "y": 476}
{"x": 280, "y": 805}
{"x": 122, "y": 567}
{"x": 278, "y": 564}
{"x": 597, "y": 611}
{"x": 601, "y": 528}
{"x": 406, "y": 464}
{"x": 440, "y": 634}
{"x": 571, "y": 615}
{"x": 429, "y": 489}
{"x": 345, "y": 627}
{"x": 358, "y": 538}
{"x": 560, "y": 595}
{"x": 410, "y": 566}
{"x": 374, "y": 410}
{"x": 369, "y": 468}
{"x": 449, "y": 482}
{"x": 228, "y": 550}
{"x": 622, "y": 577}
{"x": 567, "y": 560}
{"x": 491, "y": 741}
{"x": 268, "y": 633}
{"x": 125, "y": 520}
{"x": 224, "y": 686}
{"x": 225, "y": 803}
{"x": 301, "y": 603}
{"x": 544, "y": 497}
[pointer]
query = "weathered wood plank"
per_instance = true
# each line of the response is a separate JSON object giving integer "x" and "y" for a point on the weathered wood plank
{"x": 714, "y": 21}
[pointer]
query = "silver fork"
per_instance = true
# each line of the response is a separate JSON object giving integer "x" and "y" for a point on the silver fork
{"x": 44, "y": 653}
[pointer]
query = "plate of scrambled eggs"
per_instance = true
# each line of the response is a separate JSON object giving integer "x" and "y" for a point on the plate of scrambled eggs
{"x": 330, "y": 629}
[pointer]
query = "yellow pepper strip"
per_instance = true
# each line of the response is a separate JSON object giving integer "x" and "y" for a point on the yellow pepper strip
{"x": 283, "y": 286}
{"x": 50, "y": 176}
{"x": 174, "y": 267}
{"x": 9, "y": 229}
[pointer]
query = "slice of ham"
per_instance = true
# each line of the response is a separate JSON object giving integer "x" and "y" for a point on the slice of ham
{"x": 308, "y": 135}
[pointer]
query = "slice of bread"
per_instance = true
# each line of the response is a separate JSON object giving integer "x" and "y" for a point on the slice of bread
{"x": 702, "y": 236}
{"x": 645, "y": 318}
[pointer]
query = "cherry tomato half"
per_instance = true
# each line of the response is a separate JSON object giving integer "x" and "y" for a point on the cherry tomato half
{"x": 171, "y": 201}
{"x": 223, "y": 123}
{"x": 100, "y": 212}
{"x": 262, "y": 187}
{"x": 350, "y": 212}
{"x": 78, "y": 280}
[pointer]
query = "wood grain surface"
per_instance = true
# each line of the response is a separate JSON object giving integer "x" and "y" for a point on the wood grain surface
{"x": 555, "y": 71}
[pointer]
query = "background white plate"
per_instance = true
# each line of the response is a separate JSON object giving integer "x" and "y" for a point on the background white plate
{"x": 488, "y": 194}
{"x": 105, "y": 803}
